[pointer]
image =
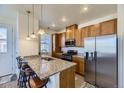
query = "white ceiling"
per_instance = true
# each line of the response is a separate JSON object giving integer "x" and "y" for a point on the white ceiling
{"x": 52, "y": 13}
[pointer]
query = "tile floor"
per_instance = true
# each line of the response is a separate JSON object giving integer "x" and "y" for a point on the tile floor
{"x": 79, "y": 83}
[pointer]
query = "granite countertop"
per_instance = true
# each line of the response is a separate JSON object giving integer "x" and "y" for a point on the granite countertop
{"x": 45, "y": 68}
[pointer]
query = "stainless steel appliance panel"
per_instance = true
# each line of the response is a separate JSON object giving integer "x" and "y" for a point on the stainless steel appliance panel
{"x": 89, "y": 60}
{"x": 106, "y": 63}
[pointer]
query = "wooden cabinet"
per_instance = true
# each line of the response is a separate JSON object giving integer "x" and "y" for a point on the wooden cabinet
{"x": 80, "y": 65}
{"x": 71, "y": 31}
{"x": 108, "y": 27}
{"x": 55, "y": 44}
{"x": 62, "y": 39}
{"x": 67, "y": 78}
{"x": 78, "y": 38}
{"x": 58, "y": 43}
{"x": 85, "y": 33}
{"x": 94, "y": 30}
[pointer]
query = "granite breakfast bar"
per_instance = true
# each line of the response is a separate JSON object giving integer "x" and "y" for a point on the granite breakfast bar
{"x": 60, "y": 72}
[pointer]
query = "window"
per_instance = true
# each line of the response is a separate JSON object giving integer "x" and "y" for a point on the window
{"x": 45, "y": 43}
{"x": 3, "y": 40}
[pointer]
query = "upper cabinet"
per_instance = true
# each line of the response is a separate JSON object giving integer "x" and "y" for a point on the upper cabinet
{"x": 62, "y": 39}
{"x": 94, "y": 30}
{"x": 85, "y": 33}
{"x": 108, "y": 27}
{"x": 71, "y": 31}
{"x": 78, "y": 38}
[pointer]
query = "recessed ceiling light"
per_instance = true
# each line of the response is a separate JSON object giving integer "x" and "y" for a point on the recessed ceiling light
{"x": 63, "y": 19}
{"x": 53, "y": 25}
{"x": 85, "y": 8}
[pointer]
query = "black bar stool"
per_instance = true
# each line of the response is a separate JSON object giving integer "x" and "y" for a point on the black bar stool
{"x": 22, "y": 65}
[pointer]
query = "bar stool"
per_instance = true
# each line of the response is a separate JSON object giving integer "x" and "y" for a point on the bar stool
{"x": 28, "y": 78}
{"x": 36, "y": 82}
{"x": 22, "y": 65}
{"x": 33, "y": 81}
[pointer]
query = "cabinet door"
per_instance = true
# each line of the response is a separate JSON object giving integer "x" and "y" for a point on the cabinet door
{"x": 71, "y": 31}
{"x": 75, "y": 60}
{"x": 85, "y": 33}
{"x": 108, "y": 27}
{"x": 63, "y": 39}
{"x": 78, "y": 38}
{"x": 94, "y": 30}
{"x": 58, "y": 43}
{"x": 81, "y": 66}
{"x": 67, "y": 34}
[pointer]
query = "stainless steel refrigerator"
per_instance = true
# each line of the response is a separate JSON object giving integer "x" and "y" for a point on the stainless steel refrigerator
{"x": 101, "y": 61}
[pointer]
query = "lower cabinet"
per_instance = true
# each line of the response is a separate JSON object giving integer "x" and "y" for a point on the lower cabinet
{"x": 80, "y": 65}
{"x": 67, "y": 78}
{"x": 57, "y": 55}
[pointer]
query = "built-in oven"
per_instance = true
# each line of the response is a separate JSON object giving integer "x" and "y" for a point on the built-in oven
{"x": 70, "y": 43}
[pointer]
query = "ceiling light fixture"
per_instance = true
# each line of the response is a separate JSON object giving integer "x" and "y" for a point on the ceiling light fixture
{"x": 63, "y": 19}
{"x": 85, "y": 8}
{"x": 53, "y": 25}
{"x": 41, "y": 31}
{"x": 28, "y": 36}
{"x": 33, "y": 34}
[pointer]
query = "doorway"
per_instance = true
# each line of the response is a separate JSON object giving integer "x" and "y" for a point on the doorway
{"x": 6, "y": 50}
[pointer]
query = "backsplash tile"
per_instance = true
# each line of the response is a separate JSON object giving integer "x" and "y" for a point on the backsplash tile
{"x": 79, "y": 49}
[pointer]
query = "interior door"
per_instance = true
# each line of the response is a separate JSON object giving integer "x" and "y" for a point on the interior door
{"x": 6, "y": 49}
{"x": 89, "y": 44}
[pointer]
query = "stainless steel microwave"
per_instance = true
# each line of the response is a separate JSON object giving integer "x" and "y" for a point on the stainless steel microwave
{"x": 70, "y": 43}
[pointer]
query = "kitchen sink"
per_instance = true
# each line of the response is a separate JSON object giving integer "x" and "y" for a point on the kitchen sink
{"x": 47, "y": 58}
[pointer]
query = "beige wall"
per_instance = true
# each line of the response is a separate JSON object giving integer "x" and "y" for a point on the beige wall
{"x": 27, "y": 47}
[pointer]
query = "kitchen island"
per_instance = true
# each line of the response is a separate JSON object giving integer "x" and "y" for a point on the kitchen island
{"x": 60, "y": 72}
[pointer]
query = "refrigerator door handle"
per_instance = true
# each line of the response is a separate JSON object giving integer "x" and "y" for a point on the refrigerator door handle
{"x": 95, "y": 55}
{"x": 87, "y": 55}
{"x": 92, "y": 56}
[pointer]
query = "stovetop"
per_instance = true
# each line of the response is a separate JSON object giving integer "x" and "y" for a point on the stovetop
{"x": 68, "y": 56}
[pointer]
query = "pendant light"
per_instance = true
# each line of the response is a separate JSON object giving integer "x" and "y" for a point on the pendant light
{"x": 28, "y": 36}
{"x": 33, "y": 34}
{"x": 41, "y": 31}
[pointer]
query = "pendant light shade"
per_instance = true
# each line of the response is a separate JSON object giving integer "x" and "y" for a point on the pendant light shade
{"x": 33, "y": 34}
{"x": 28, "y": 36}
{"x": 41, "y": 31}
